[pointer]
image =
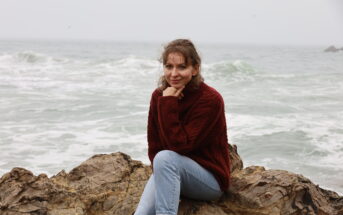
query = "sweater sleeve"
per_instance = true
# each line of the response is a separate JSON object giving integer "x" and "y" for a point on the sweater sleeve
{"x": 154, "y": 143}
{"x": 184, "y": 137}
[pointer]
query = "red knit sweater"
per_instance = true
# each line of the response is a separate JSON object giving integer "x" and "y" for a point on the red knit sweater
{"x": 193, "y": 126}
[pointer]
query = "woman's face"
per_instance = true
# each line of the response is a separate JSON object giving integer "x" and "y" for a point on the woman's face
{"x": 176, "y": 72}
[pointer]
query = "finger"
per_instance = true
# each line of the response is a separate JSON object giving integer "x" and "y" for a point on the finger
{"x": 177, "y": 93}
{"x": 168, "y": 91}
{"x": 171, "y": 89}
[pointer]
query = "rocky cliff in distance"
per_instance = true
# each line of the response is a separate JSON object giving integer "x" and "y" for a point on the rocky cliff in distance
{"x": 333, "y": 49}
{"x": 112, "y": 184}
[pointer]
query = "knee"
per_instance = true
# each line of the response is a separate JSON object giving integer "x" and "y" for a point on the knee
{"x": 165, "y": 159}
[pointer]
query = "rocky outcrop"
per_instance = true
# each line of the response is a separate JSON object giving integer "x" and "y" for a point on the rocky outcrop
{"x": 333, "y": 49}
{"x": 113, "y": 183}
{"x": 104, "y": 184}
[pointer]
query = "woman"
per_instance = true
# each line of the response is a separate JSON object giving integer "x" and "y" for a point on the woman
{"x": 187, "y": 139}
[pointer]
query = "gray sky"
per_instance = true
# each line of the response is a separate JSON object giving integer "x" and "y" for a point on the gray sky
{"x": 294, "y": 22}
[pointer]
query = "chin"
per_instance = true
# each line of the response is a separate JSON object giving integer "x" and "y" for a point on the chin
{"x": 174, "y": 85}
{"x": 177, "y": 86}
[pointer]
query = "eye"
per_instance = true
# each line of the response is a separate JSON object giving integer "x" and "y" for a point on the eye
{"x": 168, "y": 66}
{"x": 182, "y": 66}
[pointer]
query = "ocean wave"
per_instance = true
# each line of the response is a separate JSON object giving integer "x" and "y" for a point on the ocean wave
{"x": 236, "y": 70}
{"x": 30, "y": 57}
{"x": 127, "y": 66}
{"x": 130, "y": 62}
{"x": 226, "y": 67}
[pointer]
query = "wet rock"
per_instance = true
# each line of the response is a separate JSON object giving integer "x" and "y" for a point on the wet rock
{"x": 113, "y": 183}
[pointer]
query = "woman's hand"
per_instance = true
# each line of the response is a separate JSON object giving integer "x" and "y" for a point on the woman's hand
{"x": 172, "y": 91}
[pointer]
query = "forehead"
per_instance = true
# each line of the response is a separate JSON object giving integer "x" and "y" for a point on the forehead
{"x": 175, "y": 58}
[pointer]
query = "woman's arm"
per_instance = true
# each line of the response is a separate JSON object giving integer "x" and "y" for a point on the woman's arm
{"x": 154, "y": 143}
{"x": 205, "y": 117}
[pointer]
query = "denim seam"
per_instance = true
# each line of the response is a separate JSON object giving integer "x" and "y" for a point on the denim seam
{"x": 174, "y": 193}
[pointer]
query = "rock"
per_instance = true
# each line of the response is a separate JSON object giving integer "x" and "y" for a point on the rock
{"x": 104, "y": 184}
{"x": 235, "y": 159}
{"x": 113, "y": 183}
{"x": 331, "y": 49}
{"x": 279, "y": 192}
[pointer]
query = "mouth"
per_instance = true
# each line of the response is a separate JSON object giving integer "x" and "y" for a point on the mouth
{"x": 174, "y": 81}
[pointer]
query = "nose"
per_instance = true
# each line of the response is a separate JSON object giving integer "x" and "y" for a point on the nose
{"x": 174, "y": 72}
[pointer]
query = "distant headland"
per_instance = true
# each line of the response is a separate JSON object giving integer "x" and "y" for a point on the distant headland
{"x": 333, "y": 49}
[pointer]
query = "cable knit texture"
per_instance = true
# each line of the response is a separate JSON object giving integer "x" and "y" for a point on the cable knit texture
{"x": 193, "y": 126}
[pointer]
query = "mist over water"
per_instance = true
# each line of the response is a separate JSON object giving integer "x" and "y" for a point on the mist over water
{"x": 62, "y": 102}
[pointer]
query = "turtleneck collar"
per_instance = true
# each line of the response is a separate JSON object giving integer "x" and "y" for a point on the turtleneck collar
{"x": 189, "y": 90}
{"x": 190, "y": 93}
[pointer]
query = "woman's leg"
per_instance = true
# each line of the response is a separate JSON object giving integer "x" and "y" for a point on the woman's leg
{"x": 146, "y": 204}
{"x": 175, "y": 174}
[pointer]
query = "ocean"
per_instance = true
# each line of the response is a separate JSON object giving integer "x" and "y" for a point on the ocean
{"x": 63, "y": 101}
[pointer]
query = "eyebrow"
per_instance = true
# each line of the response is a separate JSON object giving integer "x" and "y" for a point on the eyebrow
{"x": 184, "y": 63}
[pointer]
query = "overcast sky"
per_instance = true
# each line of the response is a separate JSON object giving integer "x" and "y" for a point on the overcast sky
{"x": 297, "y": 22}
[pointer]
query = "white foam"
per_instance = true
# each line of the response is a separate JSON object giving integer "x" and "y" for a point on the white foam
{"x": 66, "y": 109}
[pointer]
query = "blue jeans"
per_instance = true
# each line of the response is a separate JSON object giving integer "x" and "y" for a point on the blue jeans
{"x": 173, "y": 175}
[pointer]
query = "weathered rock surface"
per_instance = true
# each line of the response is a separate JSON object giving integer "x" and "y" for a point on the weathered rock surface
{"x": 113, "y": 183}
